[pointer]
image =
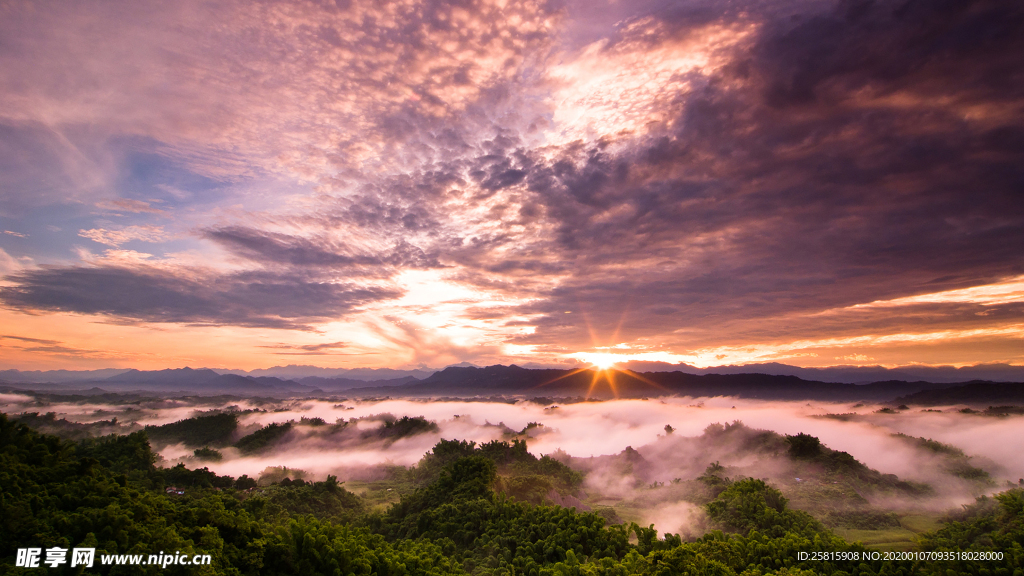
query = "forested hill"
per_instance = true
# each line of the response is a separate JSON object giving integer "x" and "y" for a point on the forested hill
{"x": 982, "y": 393}
{"x": 108, "y": 494}
{"x": 515, "y": 380}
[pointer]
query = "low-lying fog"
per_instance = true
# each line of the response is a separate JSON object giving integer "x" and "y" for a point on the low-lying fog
{"x": 580, "y": 430}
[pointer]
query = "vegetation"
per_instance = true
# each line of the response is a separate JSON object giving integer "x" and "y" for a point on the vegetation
{"x": 207, "y": 453}
{"x": 1004, "y": 410}
{"x": 50, "y": 424}
{"x": 463, "y": 518}
{"x": 832, "y": 486}
{"x": 955, "y": 462}
{"x": 263, "y": 438}
{"x": 836, "y": 464}
{"x": 990, "y": 524}
{"x": 206, "y": 430}
{"x": 404, "y": 427}
{"x": 520, "y": 474}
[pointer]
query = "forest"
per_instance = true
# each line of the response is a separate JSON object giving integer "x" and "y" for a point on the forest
{"x": 464, "y": 508}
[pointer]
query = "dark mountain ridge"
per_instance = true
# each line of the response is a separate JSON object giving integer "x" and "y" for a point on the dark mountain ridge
{"x": 500, "y": 380}
{"x": 339, "y": 384}
{"x": 205, "y": 382}
{"x": 980, "y": 393}
{"x": 995, "y": 372}
{"x": 515, "y": 380}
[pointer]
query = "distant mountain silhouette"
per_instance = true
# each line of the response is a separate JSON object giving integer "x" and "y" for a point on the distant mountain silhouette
{"x": 500, "y": 380}
{"x": 515, "y": 380}
{"x": 299, "y": 372}
{"x": 851, "y": 374}
{"x": 992, "y": 393}
{"x": 207, "y": 381}
{"x": 831, "y": 374}
{"x": 343, "y": 384}
{"x": 37, "y": 376}
{"x": 204, "y": 381}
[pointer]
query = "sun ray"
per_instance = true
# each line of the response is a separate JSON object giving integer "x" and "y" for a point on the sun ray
{"x": 590, "y": 328}
{"x": 644, "y": 379}
{"x": 563, "y": 376}
{"x": 593, "y": 383}
{"x": 610, "y": 376}
{"x": 618, "y": 327}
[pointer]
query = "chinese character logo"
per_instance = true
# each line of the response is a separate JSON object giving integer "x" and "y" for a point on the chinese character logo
{"x": 83, "y": 557}
{"x": 28, "y": 557}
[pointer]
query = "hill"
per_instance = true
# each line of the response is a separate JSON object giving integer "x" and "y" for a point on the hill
{"x": 980, "y": 393}
{"x": 515, "y": 380}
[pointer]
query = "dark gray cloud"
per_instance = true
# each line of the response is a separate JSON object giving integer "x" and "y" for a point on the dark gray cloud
{"x": 312, "y": 253}
{"x": 869, "y": 153}
{"x": 865, "y": 153}
{"x": 52, "y": 347}
{"x": 256, "y": 299}
{"x": 31, "y": 340}
{"x": 324, "y": 349}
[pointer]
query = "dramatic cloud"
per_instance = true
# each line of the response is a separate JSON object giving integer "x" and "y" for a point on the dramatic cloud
{"x": 244, "y": 299}
{"x": 816, "y": 171}
{"x": 708, "y": 182}
{"x": 277, "y": 248}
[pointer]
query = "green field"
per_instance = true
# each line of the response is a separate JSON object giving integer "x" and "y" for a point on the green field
{"x": 903, "y": 538}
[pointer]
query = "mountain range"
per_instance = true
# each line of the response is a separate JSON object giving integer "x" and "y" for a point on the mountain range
{"x": 836, "y": 374}
{"x": 499, "y": 380}
{"x": 514, "y": 380}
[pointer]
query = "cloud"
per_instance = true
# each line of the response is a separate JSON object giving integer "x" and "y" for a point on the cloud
{"x": 1010, "y": 290}
{"x": 129, "y": 205}
{"x": 32, "y": 340}
{"x": 116, "y": 238}
{"x": 148, "y": 294}
{"x": 326, "y": 348}
{"x": 58, "y": 348}
{"x": 318, "y": 252}
{"x": 823, "y": 166}
{"x": 682, "y": 178}
{"x": 303, "y": 84}
{"x": 40, "y": 165}
{"x": 8, "y": 263}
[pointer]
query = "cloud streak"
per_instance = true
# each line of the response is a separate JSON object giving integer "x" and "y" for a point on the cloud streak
{"x": 115, "y": 238}
{"x": 153, "y": 295}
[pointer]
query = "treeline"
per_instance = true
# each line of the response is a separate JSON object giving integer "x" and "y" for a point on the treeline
{"x": 107, "y": 493}
{"x": 210, "y": 429}
{"x": 50, "y": 424}
{"x": 807, "y": 448}
{"x": 221, "y": 429}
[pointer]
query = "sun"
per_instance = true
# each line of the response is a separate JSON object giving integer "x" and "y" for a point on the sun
{"x": 602, "y": 361}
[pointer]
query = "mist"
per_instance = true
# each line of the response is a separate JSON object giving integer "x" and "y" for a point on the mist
{"x": 667, "y": 443}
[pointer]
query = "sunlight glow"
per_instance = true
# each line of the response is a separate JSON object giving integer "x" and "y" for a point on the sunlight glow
{"x": 600, "y": 360}
{"x": 1007, "y": 291}
{"x": 624, "y": 87}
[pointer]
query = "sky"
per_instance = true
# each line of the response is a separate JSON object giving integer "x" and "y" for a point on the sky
{"x": 368, "y": 184}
